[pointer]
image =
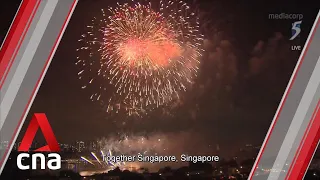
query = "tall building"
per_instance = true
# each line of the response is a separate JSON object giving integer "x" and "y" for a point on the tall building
{"x": 80, "y": 146}
{"x": 93, "y": 146}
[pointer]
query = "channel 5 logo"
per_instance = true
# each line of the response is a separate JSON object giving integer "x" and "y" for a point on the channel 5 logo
{"x": 47, "y": 155}
{"x": 295, "y": 30}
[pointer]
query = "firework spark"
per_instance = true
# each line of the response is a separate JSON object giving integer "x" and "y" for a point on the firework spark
{"x": 87, "y": 160}
{"x": 146, "y": 55}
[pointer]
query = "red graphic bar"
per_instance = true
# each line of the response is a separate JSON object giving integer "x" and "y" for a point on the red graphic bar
{"x": 308, "y": 147}
{"x": 16, "y": 35}
{"x": 254, "y": 168}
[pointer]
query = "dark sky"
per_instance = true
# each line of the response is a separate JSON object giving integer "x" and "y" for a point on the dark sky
{"x": 250, "y": 53}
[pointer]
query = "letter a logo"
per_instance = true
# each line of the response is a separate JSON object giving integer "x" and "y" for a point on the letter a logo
{"x": 39, "y": 120}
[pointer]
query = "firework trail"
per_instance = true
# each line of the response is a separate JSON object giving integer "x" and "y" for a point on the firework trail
{"x": 102, "y": 162}
{"x": 87, "y": 160}
{"x": 95, "y": 156}
{"x": 146, "y": 54}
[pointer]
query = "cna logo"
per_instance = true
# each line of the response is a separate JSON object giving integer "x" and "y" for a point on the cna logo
{"x": 39, "y": 120}
{"x": 295, "y": 30}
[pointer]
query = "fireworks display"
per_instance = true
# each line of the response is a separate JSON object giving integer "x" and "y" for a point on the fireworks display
{"x": 126, "y": 145}
{"x": 142, "y": 56}
{"x": 146, "y": 144}
{"x": 99, "y": 161}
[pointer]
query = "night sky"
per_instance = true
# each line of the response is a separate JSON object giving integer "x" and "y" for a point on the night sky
{"x": 244, "y": 72}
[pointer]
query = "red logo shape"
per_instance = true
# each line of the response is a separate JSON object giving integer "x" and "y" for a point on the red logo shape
{"x": 40, "y": 120}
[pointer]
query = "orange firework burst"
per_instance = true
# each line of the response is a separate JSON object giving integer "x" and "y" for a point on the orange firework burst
{"x": 139, "y": 52}
{"x": 149, "y": 55}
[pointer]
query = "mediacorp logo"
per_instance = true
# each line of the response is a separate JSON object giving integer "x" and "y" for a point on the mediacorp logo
{"x": 47, "y": 155}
